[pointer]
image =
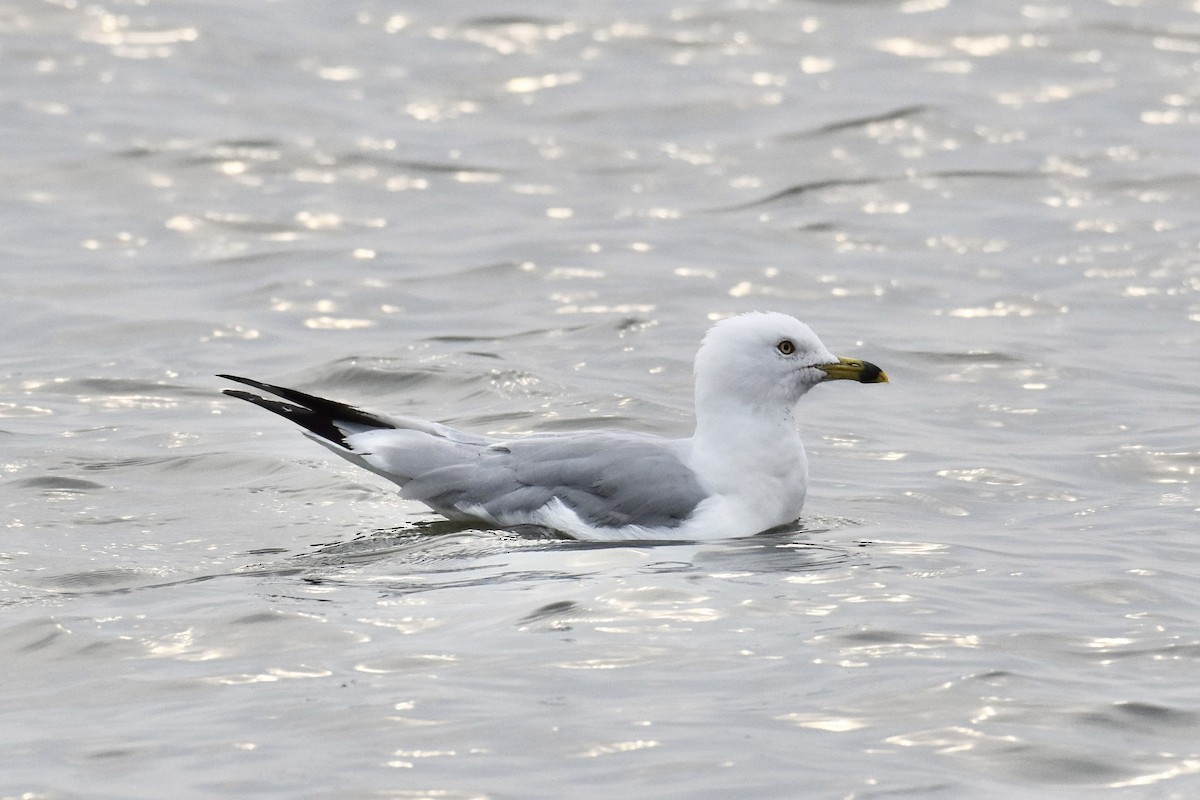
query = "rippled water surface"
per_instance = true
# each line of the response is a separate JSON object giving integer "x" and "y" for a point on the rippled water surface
{"x": 522, "y": 217}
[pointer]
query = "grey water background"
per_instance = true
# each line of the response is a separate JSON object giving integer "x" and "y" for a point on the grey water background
{"x": 523, "y": 216}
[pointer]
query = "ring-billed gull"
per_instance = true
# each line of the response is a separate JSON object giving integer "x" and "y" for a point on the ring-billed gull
{"x": 743, "y": 471}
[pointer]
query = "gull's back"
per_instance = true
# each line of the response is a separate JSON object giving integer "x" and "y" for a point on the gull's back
{"x": 607, "y": 479}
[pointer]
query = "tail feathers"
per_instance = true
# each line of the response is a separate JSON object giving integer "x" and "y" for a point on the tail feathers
{"x": 326, "y": 419}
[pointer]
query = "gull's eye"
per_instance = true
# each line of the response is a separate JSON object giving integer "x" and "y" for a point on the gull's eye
{"x": 787, "y": 347}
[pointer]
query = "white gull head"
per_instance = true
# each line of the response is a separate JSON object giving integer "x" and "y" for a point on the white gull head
{"x": 760, "y": 362}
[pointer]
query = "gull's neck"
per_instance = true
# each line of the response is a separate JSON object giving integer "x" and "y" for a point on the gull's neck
{"x": 732, "y": 427}
{"x": 752, "y": 463}
{"x": 752, "y": 450}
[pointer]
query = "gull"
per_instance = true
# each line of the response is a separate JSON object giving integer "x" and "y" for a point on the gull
{"x": 743, "y": 471}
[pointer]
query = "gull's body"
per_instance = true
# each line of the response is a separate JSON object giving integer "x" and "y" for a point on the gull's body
{"x": 744, "y": 470}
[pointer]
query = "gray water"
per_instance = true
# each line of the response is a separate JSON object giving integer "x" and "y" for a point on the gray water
{"x": 522, "y": 217}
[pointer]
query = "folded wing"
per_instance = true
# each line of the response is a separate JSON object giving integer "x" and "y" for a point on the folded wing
{"x": 607, "y": 479}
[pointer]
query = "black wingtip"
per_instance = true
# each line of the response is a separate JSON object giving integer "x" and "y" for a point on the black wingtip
{"x": 266, "y": 387}
{"x": 316, "y": 414}
{"x": 319, "y": 424}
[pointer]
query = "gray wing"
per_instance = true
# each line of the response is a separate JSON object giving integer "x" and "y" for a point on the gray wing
{"x": 608, "y": 479}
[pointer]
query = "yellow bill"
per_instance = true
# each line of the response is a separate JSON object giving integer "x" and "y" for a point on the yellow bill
{"x": 853, "y": 369}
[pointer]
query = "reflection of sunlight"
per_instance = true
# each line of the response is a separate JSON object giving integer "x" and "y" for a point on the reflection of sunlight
{"x": 1005, "y": 309}
{"x": 900, "y": 46}
{"x": 880, "y": 598}
{"x": 339, "y": 73}
{"x": 113, "y": 31}
{"x": 992, "y": 477}
{"x": 14, "y": 410}
{"x": 1189, "y": 766}
{"x": 337, "y": 323}
{"x": 177, "y": 644}
{"x": 813, "y": 65}
{"x": 407, "y": 662}
{"x": 1051, "y": 93}
{"x": 438, "y": 110}
{"x": 672, "y": 611}
{"x": 399, "y": 763}
{"x": 953, "y": 739}
{"x": 619, "y": 308}
{"x": 612, "y": 662}
{"x": 270, "y": 676}
{"x": 132, "y": 401}
{"x": 539, "y": 82}
{"x": 406, "y": 625}
{"x": 618, "y": 747}
{"x": 823, "y": 723}
{"x": 515, "y": 36}
{"x": 983, "y": 45}
{"x": 1106, "y": 642}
